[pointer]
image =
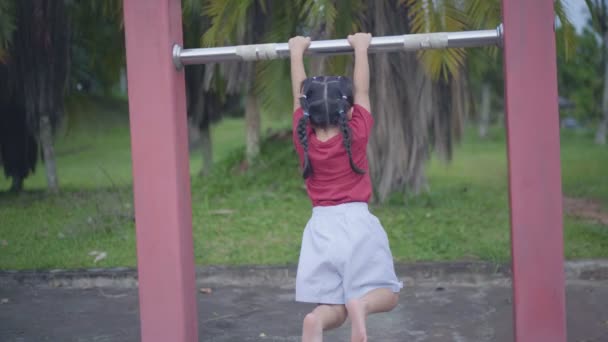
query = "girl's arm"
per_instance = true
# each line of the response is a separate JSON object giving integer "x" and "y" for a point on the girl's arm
{"x": 360, "y": 42}
{"x": 297, "y": 46}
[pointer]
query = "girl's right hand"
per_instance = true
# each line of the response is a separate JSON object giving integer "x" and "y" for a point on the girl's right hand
{"x": 299, "y": 44}
{"x": 360, "y": 40}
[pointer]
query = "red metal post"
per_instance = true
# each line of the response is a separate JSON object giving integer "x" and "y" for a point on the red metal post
{"x": 161, "y": 178}
{"x": 534, "y": 171}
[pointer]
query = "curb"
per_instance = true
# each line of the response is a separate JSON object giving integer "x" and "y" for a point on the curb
{"x": 412, "y": 274}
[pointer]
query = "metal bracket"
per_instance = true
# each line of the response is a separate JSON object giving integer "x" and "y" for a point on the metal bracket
{"x": 500, "y": 32}
{"x": 177, "y": 61}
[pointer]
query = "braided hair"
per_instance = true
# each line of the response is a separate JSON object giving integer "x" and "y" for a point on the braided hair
{"x": 325, "y": 101}
{"x": 304, "y": 139}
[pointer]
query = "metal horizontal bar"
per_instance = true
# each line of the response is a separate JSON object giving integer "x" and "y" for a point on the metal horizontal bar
{"x": 408, "y": 42}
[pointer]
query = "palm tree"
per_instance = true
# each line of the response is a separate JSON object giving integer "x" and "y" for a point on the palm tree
{"x": 205, "y": 97}
{"x": 18, "y": 148}
{"x": 599, "y": 20}
{"x": 35, "y": 41}
{"x": 41, "y": 57}
{"x": 418, "y": 111}
{"x": 97, "y": 44}
{"x": 403, "y": 138}
{"x": 18, "y": 145}
{"x": 265, "y": 85}
{"x": 36, "y": 46}
{"x": 472, "y": 14}
{"x": 239, "y": 22}
{"x": 97, "y": 25}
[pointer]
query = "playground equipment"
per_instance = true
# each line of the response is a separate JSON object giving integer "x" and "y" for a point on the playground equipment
{"x": 407, "y": 42}
{"x": 157, "y": 106}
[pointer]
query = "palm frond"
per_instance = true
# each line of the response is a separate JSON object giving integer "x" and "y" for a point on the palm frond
{"x": 593, "y": 12}
{"x": 349, "y": 21}
{"x": 112, "y": 9}
{"x": 272, "y": 82}
{"x": 323, "y": 11}
{"x": 451, "y": 15}
{"x": 192, "y": 8}
{"x": 274, "y": 88}
{"x": 263, "y": 6}
{"x": 227, "y": 21}
{"x": 482, "y": 14}
{"x": 599, "y": 15}
{"x": 438, "y": 16}
{"x": 568, "y": 34}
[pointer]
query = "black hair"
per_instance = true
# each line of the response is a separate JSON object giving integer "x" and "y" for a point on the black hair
{"x": 326, "y": 101}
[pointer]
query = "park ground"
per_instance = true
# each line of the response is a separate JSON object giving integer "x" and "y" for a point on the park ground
{"x": 441, "y": 302}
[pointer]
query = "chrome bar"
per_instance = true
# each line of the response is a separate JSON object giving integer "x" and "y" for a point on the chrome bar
{"x": 408, "y": 42}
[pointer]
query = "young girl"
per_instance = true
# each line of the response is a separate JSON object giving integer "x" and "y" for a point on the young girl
{"x": 346, "y": 266}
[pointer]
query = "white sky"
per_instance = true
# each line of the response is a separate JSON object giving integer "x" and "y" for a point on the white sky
{"x": 578, "y": 12}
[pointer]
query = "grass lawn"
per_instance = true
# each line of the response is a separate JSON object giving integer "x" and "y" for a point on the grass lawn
{"x": 257, "y": 217}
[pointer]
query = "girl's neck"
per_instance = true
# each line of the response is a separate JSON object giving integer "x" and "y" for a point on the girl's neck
{"x": 324, "y": 134}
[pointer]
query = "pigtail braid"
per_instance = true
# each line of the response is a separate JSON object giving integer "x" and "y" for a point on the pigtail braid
{"x": 346, "y": 138}
{"x": 303, "y": 136}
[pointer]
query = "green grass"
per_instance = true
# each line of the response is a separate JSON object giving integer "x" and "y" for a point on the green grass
{"x": 93, "y": 147}
{"x": 257, "y": 217}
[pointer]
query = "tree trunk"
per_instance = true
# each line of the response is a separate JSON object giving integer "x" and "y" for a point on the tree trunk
{"x": 42, "y": 44}
{"x": 18, "y": 144}
{"x": 484, "y": 120}
{"x": 413, "y": 114}
{"x": 48, "y": 153}
{"x": 317, "y": 66}
{"x": 16, "y": 185}
{"x": 600, "y": 136}
{"x": 207, "y": 150}
{"x": 399, "y": 143}
{"x": 252, "y": 119}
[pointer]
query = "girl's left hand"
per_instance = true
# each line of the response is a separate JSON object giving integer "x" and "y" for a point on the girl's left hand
{"x": 299, "y": 44}
{"x": 360, "y": 40}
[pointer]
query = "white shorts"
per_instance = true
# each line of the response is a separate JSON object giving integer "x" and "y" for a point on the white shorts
{"x": 345, "y": 254}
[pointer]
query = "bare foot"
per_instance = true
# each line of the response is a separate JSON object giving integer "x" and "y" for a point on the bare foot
{"x": 357, "y": 312}
{"x": 312, "y": 329}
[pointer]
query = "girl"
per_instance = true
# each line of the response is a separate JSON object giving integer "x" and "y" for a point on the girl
{"x": 346, "y": 266}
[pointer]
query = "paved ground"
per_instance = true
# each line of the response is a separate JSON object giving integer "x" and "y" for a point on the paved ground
{"x": 429, "y": 310}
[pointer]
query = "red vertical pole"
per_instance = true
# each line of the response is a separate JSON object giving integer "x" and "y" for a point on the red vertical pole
{"x": 161, "y": 178}
{"x": 534, "y": 171}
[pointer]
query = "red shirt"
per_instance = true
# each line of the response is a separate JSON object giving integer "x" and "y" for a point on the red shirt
{"x": 333, "y": 181}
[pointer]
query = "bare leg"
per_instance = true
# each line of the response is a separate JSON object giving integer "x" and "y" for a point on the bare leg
{"x": 323, "y": 317}
{"x": 379, "y": 300}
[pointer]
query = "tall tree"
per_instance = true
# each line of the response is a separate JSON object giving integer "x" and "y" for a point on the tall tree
{"x": 413, "y": 111}
{"x": 239, "y": 23}
{"x": 420, "y": 100}
{"x": 403, "y": 139}
{"x": 483, "y": 64}
{"x": 204, "y": 102}
{"x": 577, "y": 76}
{"x": 18, "y": 147}
{"x": 599, "y": 19}
{"x": 102, "y": 66}
{"x": 97, "y": 51}
{"x": 41, "y": 54}
{"x": 265, "y": 85}
{"x": 18, "y": 144}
